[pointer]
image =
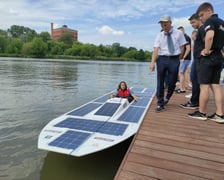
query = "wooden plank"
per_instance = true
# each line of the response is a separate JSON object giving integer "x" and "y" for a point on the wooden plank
{"x": 158, "y": 173}
{"x": 130, "y": 175}
{"x": 173, "y": 167}
{"x": 170, "y": 145}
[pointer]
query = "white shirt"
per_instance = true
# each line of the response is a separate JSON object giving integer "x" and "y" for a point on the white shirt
{"x": 161, "y": 42}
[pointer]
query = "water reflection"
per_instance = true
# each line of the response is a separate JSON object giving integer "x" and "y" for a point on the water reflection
{"x": 99, "y": 166}
{"x": 34, "y": 91}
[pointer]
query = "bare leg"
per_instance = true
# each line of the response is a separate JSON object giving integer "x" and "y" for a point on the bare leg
{"x": 218, "y": 94}
{"x": 182, "y": 81}
{"x": 204, "y": 96}
{"x": 187, "y": 77}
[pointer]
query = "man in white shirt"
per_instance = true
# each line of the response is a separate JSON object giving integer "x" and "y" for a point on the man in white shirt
{"x": 168, "y": 49}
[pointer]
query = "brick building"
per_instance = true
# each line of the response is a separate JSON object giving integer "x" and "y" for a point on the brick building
{"x": 56, "y": 33}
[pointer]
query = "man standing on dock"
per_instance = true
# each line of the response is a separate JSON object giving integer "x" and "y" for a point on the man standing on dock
{"x": 198, "y": 46}
{"x": 210, "y": 63}
{"x": 168, "y": 48}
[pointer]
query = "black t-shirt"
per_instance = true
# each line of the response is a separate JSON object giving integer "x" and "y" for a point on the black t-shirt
{"x": 217, "y": 25}
{"x": 199, "y": 42}
{"x": 188, "y": 39}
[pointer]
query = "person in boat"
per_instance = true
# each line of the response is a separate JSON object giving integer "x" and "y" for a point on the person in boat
{"x": 124, "y": 92}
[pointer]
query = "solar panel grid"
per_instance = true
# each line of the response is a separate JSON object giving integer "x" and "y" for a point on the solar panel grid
{"x": 70, "y": 140}
{"x": 84, "y": 109}
{"x": 93, "y": 126}
{"x": 149, "y": 91}
{"x": 132, "y": 114}
{"x": 113, "y": 128}
{"x": 80, "y": 124}
{"x": 142, "y": 101}
{"x": 108, "y": 109}
{"x": 103, "y": 98}
{"x": 137, "y": 89}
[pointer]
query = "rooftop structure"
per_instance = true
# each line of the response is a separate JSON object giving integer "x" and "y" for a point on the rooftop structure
{"x": 58, "y": 32}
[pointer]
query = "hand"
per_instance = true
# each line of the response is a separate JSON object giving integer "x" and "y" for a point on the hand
{"x": 135, "y": 98}
{"x": 152, "y": 66}
{"x": 112, "y": 95}
{"x": 205, "y": 52}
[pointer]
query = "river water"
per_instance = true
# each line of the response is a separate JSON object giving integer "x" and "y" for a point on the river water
{"x": 35, "y": 91}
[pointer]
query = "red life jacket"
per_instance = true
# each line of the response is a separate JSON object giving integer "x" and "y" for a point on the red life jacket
{"x": 124, "y": 93}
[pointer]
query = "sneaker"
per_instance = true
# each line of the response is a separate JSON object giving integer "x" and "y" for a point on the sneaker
{"x": 189, "y": 105}
{"x": 189, "y": 95}
{"x": 217, "y": 118}
{"x": 198, "y": 115}
{"x": 159, "y": 109}
{"x": 178, "y": 91}
{"x": 166, "y": 101}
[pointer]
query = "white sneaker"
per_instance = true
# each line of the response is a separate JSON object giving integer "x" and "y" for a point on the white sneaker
{"x": 189, "y": 95}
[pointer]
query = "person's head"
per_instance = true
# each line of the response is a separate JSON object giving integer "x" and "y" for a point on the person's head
{"x": 166, "y": 23}
{"x": 122, "y": 85}
{"x": 205, "y": 11}
{"x": 181, "y": 28}
{"x": 195, "y": 21}
{"x": 194, "y": 34}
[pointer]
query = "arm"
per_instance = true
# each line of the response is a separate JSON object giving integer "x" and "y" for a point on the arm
{"x": 154, "y": 57}
{"x": 187, "y": 51}
{"x": 134, "y": 97}
{"x": 181, "y": 51}
{"x": 208, "y": 43}
{"x": 114, "y": 95}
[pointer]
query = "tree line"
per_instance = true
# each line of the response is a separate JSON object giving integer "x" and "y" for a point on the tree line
{"x": 20, "y": 41}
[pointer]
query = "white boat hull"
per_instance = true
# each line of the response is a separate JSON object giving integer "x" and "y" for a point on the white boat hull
{"x": 95, "y": 126}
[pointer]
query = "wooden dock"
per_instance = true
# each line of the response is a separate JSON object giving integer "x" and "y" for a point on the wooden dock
{"x": 170, "y": 145}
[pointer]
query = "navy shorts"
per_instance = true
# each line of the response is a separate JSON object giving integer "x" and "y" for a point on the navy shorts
{"x": 209, "y": 69}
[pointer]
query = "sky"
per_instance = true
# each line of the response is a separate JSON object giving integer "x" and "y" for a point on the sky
{"x": 132, "y": 23}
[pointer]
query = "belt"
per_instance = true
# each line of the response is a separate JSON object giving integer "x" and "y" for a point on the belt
{"x": 165, "y": 56}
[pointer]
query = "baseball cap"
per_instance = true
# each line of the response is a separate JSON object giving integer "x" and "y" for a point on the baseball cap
{"x": 165, "y": 18}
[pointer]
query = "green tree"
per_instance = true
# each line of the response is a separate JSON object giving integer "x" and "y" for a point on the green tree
{"x": 16, "y": 31}
{"x": 3, "y": 32}
{"x": 27, "y": 48}
{"x": 118, "y": 50}
{"x": 140, "y": 55}
{"x": 58, "y": 48}
{"x": 39, "y": 47}
{"x": 3, "y": 43}
{"x": 105, "y": 51}
{"x": 14, "y": 46}
{"x": 89, "y": 50}
{"x": 45, "y": 36}
{"x": 131, "y": 54}
{"x": 67, "y": 39}
{"x": 148, "y": 55}
{"x": 75, "y": 50}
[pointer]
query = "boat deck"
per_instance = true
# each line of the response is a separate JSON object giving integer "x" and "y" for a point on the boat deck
{"x": 170, "y": 145}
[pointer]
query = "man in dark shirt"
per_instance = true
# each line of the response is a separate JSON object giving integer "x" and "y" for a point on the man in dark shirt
{"x": 198, "y": 46}
{"x": 210, "y": 63}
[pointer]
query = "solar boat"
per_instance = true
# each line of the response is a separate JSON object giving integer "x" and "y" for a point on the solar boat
{"x": 96, "y": 125}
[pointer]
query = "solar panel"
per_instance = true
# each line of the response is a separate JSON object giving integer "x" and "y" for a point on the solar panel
{"x": 132, "y": 114}
{"x": 108, "y": 109}
{"x": 150, "y": 91}
{"x": 142, "y": 101}
{"x": 80, "y": 124}
{"x": 113, "y": 128}
{"x": 93, "y": 126}
{"x": 84, "y": 109}
{"x": 102, "y": 99}
{"x": 135, "y": 90}
{"x": 70, "y": 140}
